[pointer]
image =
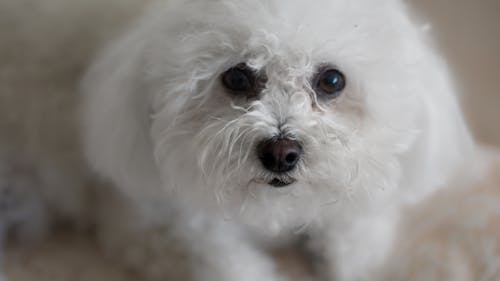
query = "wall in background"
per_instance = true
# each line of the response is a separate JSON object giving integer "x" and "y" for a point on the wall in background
{"x": 468, "y": 33}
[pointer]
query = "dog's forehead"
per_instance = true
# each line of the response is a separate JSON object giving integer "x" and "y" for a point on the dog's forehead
{"x": 290, "y": 28}
{"x": 197, "y": 40}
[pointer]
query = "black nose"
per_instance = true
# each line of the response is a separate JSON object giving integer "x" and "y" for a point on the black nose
{"x": 279, "y": 155}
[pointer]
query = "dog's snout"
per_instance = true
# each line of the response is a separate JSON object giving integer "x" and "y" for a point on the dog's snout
{"x": 279, "y": 155}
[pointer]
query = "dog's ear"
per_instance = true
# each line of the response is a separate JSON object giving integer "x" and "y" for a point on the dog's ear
{"x": 116, "y": 117}
{"x": 444, "y": 148}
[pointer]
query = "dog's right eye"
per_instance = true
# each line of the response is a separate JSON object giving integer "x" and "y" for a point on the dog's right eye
{"x": 239, "y": 79}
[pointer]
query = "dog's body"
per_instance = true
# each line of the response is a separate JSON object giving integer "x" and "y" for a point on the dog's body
{"x": 193, "y": 198}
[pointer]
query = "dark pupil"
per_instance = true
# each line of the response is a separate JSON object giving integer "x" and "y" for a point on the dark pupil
{"x": 331, "y": 82}
{"x": 237, "y": 80}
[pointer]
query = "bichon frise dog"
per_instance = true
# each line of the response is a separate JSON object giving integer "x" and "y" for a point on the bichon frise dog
{"x": 229, "y": 124}
{"x": 229, "y": 127}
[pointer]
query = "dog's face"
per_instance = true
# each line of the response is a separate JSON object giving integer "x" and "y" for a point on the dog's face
{"x": 284, "y": 103}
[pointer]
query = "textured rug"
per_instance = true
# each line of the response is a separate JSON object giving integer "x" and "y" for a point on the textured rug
{"x": 62, "y": 258}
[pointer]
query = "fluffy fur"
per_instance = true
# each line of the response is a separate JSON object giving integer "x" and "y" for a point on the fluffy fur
{"x": 189, "y": 198}
{"x": 159, "y": 125}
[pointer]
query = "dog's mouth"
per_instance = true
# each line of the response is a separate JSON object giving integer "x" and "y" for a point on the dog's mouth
{"x": 279, "y": 183}
{"x": 276, "y": 182}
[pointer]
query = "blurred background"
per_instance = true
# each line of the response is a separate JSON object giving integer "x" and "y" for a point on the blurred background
{"x": 45, "y": 46}
{"x": 468, "y": 34}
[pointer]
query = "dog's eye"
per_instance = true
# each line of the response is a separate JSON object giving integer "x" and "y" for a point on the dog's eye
{"x": 329, "y": 82}
{"x": 239, "y": 79}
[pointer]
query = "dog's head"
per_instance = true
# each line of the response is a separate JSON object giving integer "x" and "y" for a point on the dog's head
{"x": 294, "y": 103}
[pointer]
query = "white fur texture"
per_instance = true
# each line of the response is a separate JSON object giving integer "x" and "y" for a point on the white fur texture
{"x": 190, "y": 199}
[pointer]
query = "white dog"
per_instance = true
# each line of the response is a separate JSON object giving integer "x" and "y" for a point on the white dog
{"x": 230, "y": 123}
{"x": 228, "y": 127}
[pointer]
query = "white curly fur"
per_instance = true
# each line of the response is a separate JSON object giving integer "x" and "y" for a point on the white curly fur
{"x": 159, "y": 124}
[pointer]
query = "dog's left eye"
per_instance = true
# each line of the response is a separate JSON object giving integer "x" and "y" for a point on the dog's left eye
{"x": 239, "y": 79}
{"x": 329, "y": 82}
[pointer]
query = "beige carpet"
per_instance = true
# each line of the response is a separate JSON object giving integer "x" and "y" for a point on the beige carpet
{"x": 30, "y": 31}
{"x": 65, "y": 257}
